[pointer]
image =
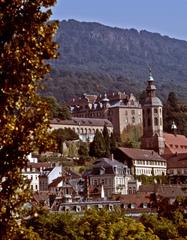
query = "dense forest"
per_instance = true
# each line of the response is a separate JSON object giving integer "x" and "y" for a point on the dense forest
{"x": 94, "y": 58}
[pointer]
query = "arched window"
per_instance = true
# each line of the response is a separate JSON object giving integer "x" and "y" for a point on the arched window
{"x": 156, "y": 121}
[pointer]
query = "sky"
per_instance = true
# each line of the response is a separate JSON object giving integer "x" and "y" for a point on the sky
{"x": 167, "y": 17}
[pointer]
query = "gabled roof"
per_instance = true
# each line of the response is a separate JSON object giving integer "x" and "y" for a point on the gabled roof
{"x": 137, "y": 198}
{"x": 177, "y": 161}
{"x": 55, "y": 182}
{"x": 75, "y": 121}
{"x": 172, "y": 191}
{"x": 165, "y": 190}
{"x": 106, "y": 165}
{"x": 39, "y": 165}
{"x": 175, "y": 143}
{"x": 141, "y": 154}
{"x": 106, "y": 162}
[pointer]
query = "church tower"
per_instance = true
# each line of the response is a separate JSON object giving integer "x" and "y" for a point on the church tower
{"x": 152, "y": 119}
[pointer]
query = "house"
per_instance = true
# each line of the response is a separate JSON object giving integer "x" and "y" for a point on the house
{"x": 118, "y": 107}
{"x": 141, "y": 161}
{"x": 107, "y": 177}
{"x": 174, "y": 144}
{"x": 159, "y": 192}
{"x": 33, "y": 170}
{"x": 32, "y": 173}
{"x": 137, "y": 204}
{"x": 52, "y": 173}
{"x": 177, "y": 168}
{"x": 84, "y": 127}
{"x": 69, "y": 183}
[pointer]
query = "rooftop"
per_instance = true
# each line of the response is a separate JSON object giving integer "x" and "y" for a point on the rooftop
{"x": 141, "y": 154}
{"x": 83, "y": 122}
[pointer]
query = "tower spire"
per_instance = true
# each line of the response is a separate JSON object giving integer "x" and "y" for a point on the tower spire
{"x": 151, "y": 88}
{"x": 150, "y": 74}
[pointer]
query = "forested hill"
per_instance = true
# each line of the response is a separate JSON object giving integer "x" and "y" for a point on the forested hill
{"x": 96, "y": 58}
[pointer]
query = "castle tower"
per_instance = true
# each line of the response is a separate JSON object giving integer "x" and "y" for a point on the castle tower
{"x": 152, "y": 119}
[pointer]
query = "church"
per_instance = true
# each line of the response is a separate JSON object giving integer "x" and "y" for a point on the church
{"x": 166, "y": 144}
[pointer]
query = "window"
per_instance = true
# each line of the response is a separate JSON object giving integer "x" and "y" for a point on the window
{"x": 133, "y": 119}
{"x": 156, "y": 121}
{"x": 149, "y": 122}
{"x": 155, "y": 110}
{"x": 132, "y": 112}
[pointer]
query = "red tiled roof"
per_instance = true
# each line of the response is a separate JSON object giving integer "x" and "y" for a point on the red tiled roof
{"x": 39, "y": 165}
{"x": 177, "y": 161}
{"x": 137, "y": 198}
{"x": 165, "y": 190}
{"x": 172, "y": 191}
{"x": 141, "y": 154}
{"x": 175, "y": 143}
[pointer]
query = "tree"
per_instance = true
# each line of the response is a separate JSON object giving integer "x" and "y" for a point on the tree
{"x": 61, "y": 135}
{"x": 161, "y": 227}
{"x": 56, "y": 110}
{"x": 131, "y": 136}
{"x": 93, "y": 225}
{"x": 97, "y": 147}
{"x": 113, "y": 144}
{"x": 83, "y": 152}
{"x": 173, "y": 111}
{"x": 25, "y": 42}
{"x": 106, "y": 138}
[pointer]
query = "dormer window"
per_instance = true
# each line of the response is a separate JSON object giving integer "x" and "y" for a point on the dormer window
{"x": 102, "y": 170}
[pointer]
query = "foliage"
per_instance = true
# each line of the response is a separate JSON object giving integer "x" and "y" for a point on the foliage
{"x": 113, "y": 143}
{"x": 103, "y": 144}
{"x": 56, "y": 110}
{"x": 131, "y": 136}
{"x": 162, "y": 227}
{"x": 25, "y": 42}
{"x": 106, "y": 138}
{"x": 61, "y": 135}
{"x": 174, "y": 111}
{"x": 93, "y": 225}
{"x": 83, "y": 152}
{"x": 153, "y": 179}
{"x": 62, "y": 226}
{"x": 97, "y": 147}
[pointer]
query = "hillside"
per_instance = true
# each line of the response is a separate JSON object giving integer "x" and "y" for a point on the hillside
{"x": 96, "y": 58}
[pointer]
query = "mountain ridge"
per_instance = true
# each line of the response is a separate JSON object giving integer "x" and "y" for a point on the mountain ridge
{"x": 96, "y": 58}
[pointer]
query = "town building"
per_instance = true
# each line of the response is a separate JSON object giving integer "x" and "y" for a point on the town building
{"x": 119, "y": 108}
{"x": 152, "y": 119}
{"x": 33, "y": 170}
{"x": 177, "y": 168}
{"x": 109, "y": 176}
{"x": 141, "y": 161}
{"x": 174, "y": 144}
{"x": 84, "y": 127}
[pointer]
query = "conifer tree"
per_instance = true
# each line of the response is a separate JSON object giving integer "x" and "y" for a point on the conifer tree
{"x": 113, "y": 144}
{"x": 97, "y": 147}
{"x": 25, "y": 42}
{"x": 106, "y": 141}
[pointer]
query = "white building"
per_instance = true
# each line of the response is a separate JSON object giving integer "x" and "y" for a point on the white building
{"x": 141, "y": 161}
{"x": 109, "y": 175}
{"x": 84, "y": 127}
